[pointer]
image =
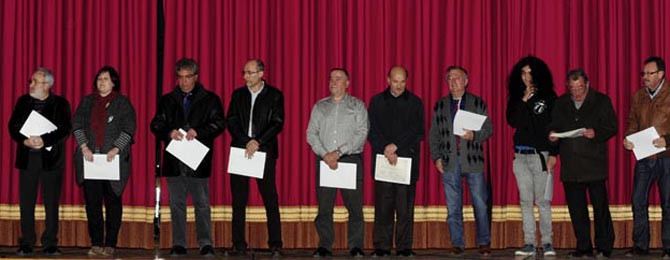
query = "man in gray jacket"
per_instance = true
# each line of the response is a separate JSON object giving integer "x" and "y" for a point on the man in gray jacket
{"x": 461, "y": 156}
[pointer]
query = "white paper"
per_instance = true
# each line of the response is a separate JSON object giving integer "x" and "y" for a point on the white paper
{"x": 400, "y": 173}
{"x": 239, "y": 164}
{"x": 190, "y": 153}
{"x": 101, "y": 169}
{"x": 549, "y": 186}
{"x": 37, "y": 125}
{"x": 569, "y": 134}
{"x": 643, "y": 143}
{"x": 344, "y": 177}
{"x": 467, "y": 120}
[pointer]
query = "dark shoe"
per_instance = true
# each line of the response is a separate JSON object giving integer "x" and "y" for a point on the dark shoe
{"x": 381, "y": 253}
{"x": 276, "y": 252}
{"x": 178, "y": 251}
{"x": 456, "y": 251}
{"x": 666, "y": 253}
{"x": 636, "y": 251}
{"x": 485, "y": 250}
{"x": 580, "y": 254}
{"x": 322, "y": 252}
{"x": 207, "y": 251}
{"x": 52, "y": 251}
{"x": 603, "y": 255}
{"x": 405, "y": 253}
{"x": 238, "y": 251}
{"x": 25, "y": 250}
{"x": 356, "y": 252}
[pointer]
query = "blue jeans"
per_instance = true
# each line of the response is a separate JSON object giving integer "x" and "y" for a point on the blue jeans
{"x": 453, "y": 190}
{"x": 648, "y": 171}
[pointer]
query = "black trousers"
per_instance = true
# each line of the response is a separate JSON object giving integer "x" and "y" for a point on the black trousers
{"x": 29, "y": 181}
{"x": 353, "y": 201}
{"x": 575, "y": 196}
{"x": 95, "y": 193}
{"x": 393, "y": 201}
{"x": 239, "y": 187}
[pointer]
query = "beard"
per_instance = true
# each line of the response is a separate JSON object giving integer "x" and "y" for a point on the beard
{"x": 38, "y": 93}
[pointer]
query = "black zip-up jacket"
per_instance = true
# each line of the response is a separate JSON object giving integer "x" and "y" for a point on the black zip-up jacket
{"x": 531, "y": 121}
{"x": 57, "y": 110}
{"x": 268, "y": 119}
{"x": 206, "y": 117}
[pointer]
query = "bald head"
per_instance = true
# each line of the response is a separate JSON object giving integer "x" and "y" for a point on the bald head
{"x": 397, "y": 80}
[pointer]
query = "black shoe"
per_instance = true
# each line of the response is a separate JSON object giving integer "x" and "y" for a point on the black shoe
{"x": 456, "y": 251}
{"x": 178, "y": 251}
{"x": 405, "y": 253}
{"x": 25, "y": 250}
{"x": 666, "y": 253}
{"x": 356, "y": 252}
{"x": 322, "y": 252}
{"x": 636, "y": 251}
{"x": 238, "y": 251}
{"x": 580, "y": 254}
{"x": 207, "y": 251}
{"x": 275, "y": 251}
{"x": 381, "y": 253}
{"x": 52, "y": 251}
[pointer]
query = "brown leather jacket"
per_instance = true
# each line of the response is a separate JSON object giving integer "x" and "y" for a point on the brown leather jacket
{"x": 646, "y": 112}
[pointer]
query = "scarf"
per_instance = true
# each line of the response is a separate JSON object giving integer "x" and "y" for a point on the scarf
{"x": 99, "y": 118}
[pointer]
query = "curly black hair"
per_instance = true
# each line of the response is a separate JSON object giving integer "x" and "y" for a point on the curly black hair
{"x": 544, "y": 82}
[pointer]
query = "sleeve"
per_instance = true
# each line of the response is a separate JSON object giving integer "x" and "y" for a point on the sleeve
{"x": 276, "y": 120}
{"x": 415, "y": 129}
{"x": 160, "y": 125}
{"x": 313, "y": 129}
{"x": 633, "y": 120}
{"x": 360, "y": 133}
{"x": 377, "y": 140}
{"x": 435, "y": 140}
{"x": 62, "y": 122}
{"x": 128, "y": 126}
{"x": 80, "y": 122}
{"x": 215, "y": 120}
{"x": 487, "y": 129}
{"x": 234, "y": 121}
{"x": 517, "y": 113}
{"x": 16, "y": 121}
{"x": 606, "y": 127}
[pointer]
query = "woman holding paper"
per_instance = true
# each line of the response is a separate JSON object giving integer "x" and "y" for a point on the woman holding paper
{"x": 104, "y": 125}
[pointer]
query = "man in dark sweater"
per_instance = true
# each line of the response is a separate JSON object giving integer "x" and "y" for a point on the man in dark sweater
{"x": 396, "y": 130}
{"x": 40, "y": 160}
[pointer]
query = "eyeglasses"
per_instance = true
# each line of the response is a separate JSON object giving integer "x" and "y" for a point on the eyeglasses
{"x": 187, "y": 76}
{"x": 246, "y": 72}
{"x": 32, "y": 81}
{"x": 651, "y": 73}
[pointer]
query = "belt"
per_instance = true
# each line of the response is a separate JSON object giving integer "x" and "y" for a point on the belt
{"x": 533, "y": 151}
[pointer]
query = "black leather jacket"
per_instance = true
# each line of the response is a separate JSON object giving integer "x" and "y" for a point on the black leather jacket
{"x": 268, "y": 119}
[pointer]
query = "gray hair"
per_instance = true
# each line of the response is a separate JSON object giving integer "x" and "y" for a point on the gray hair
{"x": 48, "y": 76}
{"x": 187, "y": 64}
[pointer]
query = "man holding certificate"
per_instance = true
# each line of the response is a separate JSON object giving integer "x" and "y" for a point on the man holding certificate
{"x": 255, "y": 118}
{"x": 649, "y": 108}
{"x": 104, "y": 125}
{"x": 40, "y": 158}
{"x": 461, "y": 156}
{"x": 337, "y": 129}
{"x": 396, "y": 130}
{"x": 199, "y": 113}
{"x": 584, "y": 166}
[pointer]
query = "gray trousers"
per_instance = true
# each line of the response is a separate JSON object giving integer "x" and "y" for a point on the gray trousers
{"x": 532, "y": 180}
{"x": 353, "y": 201}
{"x": 179, "y": 187}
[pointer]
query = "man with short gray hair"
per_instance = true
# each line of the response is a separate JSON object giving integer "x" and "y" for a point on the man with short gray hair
{"x": 40, "y": 160}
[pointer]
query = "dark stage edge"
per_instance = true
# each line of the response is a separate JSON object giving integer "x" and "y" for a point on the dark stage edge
{"x": 73, "y": 253}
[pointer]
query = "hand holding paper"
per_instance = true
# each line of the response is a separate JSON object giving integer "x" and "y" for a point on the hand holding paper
{"x": 467, "y": 120}
{"x": 643, "y": 142}
{"x": 190, "y": 153}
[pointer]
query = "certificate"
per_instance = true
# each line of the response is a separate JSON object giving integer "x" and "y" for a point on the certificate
{"x": 400, "y": 173}
{"x": 344, "y": 177}
{"x": 37, "y": 125}
{"x": 239, "y": 164}
{"x": 643, "y": 143}
{"x": 101, "y": 169}
{"x": 190, "y": 153}
{"x": 569, "y": 134}
{"x": 467, "y": 120}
